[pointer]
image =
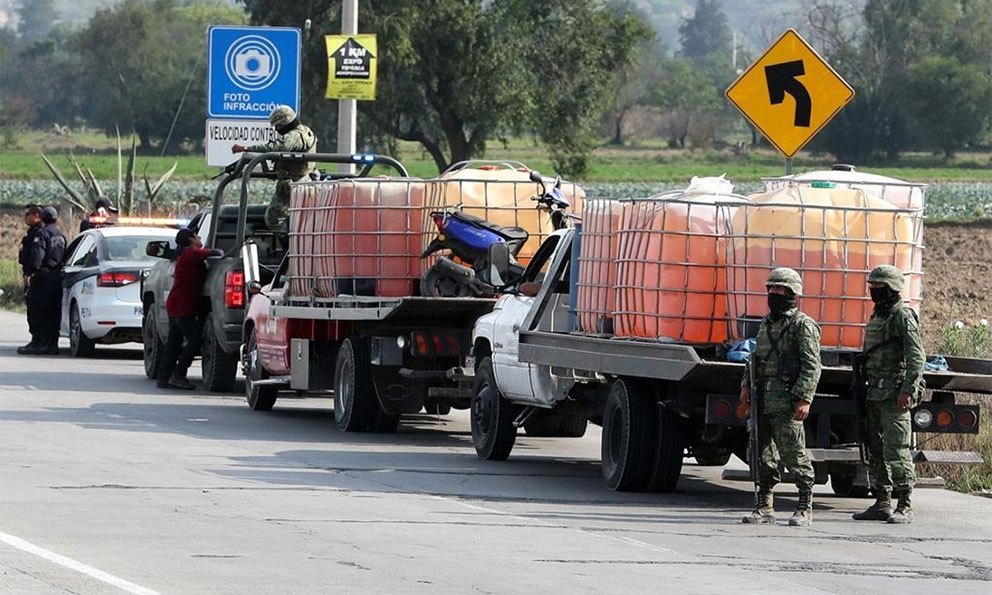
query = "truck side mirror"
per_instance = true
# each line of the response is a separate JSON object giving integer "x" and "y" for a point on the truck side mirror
{"x": 249, "y": 260}
{"x": 158, "y": 249}
{"x": 499, "y": 265}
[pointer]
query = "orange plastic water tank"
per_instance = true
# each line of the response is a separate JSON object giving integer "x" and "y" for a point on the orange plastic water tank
{"x": 365, "y": 237}
{"x": 902, "y": 194}
{"x": 671, "y": 276}
{"x": 833, "y": 237}
{"x": 596, "y": 284}
{"x": 501, "y": 196}
{"x": 302, "y": 252}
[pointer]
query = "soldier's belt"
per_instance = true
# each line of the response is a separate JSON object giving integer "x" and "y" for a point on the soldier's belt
{"x": 885, "y": 382}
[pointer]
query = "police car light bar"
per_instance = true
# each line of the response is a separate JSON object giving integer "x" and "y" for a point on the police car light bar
{"x": 98, "y": 220}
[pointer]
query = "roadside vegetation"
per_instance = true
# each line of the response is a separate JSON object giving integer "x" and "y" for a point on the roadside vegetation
{"x": 11, "y": 290}
{"x": 966, "y": 340}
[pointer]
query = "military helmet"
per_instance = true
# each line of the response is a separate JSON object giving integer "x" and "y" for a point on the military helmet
{"x": 282, "y": 115}
{"x": 889, "y": 275}
{"x": 786, "y": 277}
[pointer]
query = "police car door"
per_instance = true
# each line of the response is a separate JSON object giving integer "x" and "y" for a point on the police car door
{"x": 79, "y": 271}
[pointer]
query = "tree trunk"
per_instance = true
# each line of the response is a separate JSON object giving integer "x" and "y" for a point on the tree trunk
{"x": 618, "y": 118}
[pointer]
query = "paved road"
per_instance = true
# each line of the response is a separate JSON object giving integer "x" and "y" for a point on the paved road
{"x": 108, "y": 485}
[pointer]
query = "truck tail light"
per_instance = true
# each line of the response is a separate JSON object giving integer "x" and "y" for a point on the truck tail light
{"x": 946, "y": 418}
{"x": 725, "y": 410}
{"x": 437, "y": 343}
{"x": 234, "y": 289}
{"x": 115, "y": 279}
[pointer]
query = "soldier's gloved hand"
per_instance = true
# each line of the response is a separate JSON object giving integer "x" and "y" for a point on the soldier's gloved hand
{"x": 905, "y": 400}
{"x": 802, "y": 411}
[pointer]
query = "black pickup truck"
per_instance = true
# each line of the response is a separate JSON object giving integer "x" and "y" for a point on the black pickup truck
{"x": 226, "y": 227}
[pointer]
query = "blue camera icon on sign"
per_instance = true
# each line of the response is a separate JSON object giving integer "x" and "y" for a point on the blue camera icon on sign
{"x": 252, "y": 63}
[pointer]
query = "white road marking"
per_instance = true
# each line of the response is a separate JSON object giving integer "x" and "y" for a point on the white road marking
{"x": 25, "y": 546}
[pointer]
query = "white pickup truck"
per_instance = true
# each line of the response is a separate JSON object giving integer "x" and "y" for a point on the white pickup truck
{"x": 656, "y": 402}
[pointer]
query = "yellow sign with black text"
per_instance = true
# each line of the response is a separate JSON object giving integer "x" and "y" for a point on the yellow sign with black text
{"x": 351, "y": 66}
{"x": 790, "y": 93}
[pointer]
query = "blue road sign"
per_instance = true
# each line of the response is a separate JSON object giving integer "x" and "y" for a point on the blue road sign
{"x": 250, "y": 70}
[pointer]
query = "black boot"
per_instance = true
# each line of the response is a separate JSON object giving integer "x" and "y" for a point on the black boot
{"x": 904, "y": 509}
{"x": 803, "y": 517}
{"x": 30, "y": 349}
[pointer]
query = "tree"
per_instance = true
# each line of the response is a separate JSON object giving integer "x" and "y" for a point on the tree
{"x": 454, "y": 74}
{"x": 634, "y": 86}
{"x": 706, "y": 37}
{"x": 948, "y": 102}
{"x": 37, "y": 18}
{"x": 143, "y": 61}
{"x": 684, "y": 94}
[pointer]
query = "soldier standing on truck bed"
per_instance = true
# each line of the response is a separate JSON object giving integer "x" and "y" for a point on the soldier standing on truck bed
{"x": 294, "y": 137}
{"x": 785, "y": 368}
{"x": 893, "y": 364}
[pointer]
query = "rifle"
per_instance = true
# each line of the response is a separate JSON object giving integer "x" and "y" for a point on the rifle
{"x": 754, "y": 461}
{"x": 858, "y": 387}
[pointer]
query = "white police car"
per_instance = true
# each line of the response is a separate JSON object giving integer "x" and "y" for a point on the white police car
{"x": 101, "y": 301}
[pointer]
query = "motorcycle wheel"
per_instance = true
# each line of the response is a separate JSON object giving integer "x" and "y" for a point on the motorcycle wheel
{"x": 441, "y": 283}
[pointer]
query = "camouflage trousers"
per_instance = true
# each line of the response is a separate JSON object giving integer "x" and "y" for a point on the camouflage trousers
{"x": 782, "y": 439}
{"x": 889, "y": 434}
{"x": 277, "y": 213}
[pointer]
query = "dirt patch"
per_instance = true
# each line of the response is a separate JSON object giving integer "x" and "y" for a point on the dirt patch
{"x": 958, "y": 282}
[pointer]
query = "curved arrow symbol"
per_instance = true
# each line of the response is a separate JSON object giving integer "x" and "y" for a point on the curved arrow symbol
{"x": 781, "y": 79}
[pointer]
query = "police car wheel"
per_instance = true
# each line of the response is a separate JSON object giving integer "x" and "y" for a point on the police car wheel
{"x": 79, "y": 344}
{"x": 152, "y": 348}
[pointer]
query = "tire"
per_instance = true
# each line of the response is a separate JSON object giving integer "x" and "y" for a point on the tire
{"x": 573, "y": 426}
{"x": 668, "y": 452}
{"x": 153, "y": 349}
{"x": 493, "y": 433}
{"x": 260, "y": 398}
{"x": 354, "y": 392}
{"x": 79, "y": 344}
{"x": 710, "y": 456}
{"x": 384, "y": 423}
{"x": 629, "y": 437}
{"x": 438, "y": 282}
{"x": 549, "y": 424}
{"x": 219, "y": 367}
{"x": 842, "y": 484}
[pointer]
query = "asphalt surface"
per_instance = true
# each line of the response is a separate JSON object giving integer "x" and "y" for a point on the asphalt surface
{"x": 109, "y": 485}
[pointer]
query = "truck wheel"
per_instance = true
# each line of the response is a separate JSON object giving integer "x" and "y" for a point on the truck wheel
{"x": 153, "y": 349}
{"x": 668, "y": 452}
{"x": 219, "y": 367}
{"x": 710, "y": 456}
{"x": 842, "y": 484}
{"x": 354, "y": 392}
{"x": 573, "y": 426}
{"x": 260, "y": 397}
{"x": 79, "y": 344}
{"x": 629, "y": 436}
{"x": 493, "y": 433}
{"x": 384, "y": 423}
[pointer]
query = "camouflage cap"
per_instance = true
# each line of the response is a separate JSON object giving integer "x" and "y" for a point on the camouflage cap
{"x": 889, "y": 275}
{"x": 282, "y": 115}
{"x": 785, "y": 277}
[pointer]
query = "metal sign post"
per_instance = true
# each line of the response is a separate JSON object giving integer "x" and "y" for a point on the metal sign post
{"x": 347, "y": 109}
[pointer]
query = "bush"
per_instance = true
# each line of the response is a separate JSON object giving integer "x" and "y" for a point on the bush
{"x": 12, "y": 297}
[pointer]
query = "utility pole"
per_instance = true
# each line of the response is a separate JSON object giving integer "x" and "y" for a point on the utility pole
{"x": 347, "y": 108}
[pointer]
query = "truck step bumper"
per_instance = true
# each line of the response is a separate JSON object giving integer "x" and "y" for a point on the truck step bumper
{"x": 950, "y": 457}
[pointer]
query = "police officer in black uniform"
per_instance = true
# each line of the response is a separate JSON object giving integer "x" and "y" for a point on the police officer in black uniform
{"x": 32, "y": 219}
{"x": 44, "y": 264}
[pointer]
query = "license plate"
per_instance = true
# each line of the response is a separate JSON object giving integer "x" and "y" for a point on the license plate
{"x": 139, "y": 310}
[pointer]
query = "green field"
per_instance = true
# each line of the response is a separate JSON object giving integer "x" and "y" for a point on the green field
{"x": 648, "y": 161}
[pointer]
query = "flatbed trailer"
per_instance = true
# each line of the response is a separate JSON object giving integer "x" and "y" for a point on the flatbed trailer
{"x": 661, "y": 402}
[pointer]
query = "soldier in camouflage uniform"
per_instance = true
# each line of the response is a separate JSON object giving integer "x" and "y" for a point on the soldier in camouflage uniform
{"x": 294, "y": 137}
{"x": 894, "y": 359}
{"x": 786, "y": 370}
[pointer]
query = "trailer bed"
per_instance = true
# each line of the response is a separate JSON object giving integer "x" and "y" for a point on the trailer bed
{"x": 452, "y": 311}
{"x": 683, "y": 363}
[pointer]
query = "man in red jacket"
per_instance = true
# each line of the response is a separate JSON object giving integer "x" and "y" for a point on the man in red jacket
{"x": 183, "y": 306}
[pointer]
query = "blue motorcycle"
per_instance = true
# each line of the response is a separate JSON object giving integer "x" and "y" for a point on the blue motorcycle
{"x": 469, "y": 239}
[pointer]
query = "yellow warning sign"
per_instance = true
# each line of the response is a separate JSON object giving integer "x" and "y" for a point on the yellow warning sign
{"x": 351, "y": 66}
{"x": 790, "y": 93}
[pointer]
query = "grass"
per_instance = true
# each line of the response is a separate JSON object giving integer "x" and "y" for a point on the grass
{"x": 12, "y": 297}
{"x": 647, "y": 161}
